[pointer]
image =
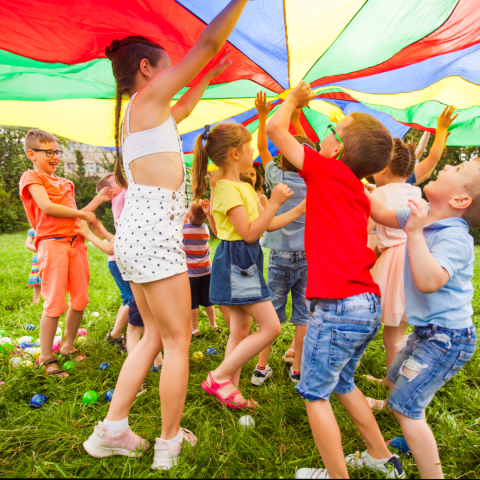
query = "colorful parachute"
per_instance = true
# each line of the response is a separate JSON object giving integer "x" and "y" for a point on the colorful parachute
{"x": 400, "y": 60}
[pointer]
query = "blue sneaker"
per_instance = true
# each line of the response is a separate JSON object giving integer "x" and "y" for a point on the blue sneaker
{"x": 155, "y": 368}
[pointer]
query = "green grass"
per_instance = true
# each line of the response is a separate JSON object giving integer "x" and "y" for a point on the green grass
{"x": 48, "y": 442}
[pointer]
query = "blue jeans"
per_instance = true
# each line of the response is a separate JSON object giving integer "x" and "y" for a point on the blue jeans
{"x": 434, "y": 355}
{"x": 124, "y": 287}
{"x": 287, "y": 271}
{"x": 337, "y": 337}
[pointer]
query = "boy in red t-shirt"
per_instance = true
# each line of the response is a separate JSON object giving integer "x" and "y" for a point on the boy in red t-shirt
{"x": 347, "y": 315}
{"x": 49, "y": 202}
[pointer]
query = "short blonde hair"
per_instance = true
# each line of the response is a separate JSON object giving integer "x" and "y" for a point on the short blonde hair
{"x": 472, "y": 213}
{"x": 102, "y": 183}
{"x": 35, "y": 138}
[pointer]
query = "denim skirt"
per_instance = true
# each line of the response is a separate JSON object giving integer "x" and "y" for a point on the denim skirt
{"x": 237, "y": 274}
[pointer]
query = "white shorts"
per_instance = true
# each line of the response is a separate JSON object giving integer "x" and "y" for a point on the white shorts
{"x": 148, "y": 242}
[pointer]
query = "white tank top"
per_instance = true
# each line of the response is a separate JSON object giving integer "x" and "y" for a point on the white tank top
{"x": 164, "y": 138}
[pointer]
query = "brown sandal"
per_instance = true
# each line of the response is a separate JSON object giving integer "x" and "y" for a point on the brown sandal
{"x": 51, "y": 361}
{"x": 72, "y": 355}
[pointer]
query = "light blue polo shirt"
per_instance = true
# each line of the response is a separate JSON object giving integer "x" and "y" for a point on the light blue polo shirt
{"x": 452, "y": 247}
{"x": 290, "y": 238}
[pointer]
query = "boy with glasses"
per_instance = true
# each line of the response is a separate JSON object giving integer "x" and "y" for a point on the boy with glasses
{"x": 49, "y": 202}
{"x": 348, "y": 310}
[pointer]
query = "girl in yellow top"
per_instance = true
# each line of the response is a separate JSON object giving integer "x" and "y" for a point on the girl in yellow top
{"x": 237, "y": 268}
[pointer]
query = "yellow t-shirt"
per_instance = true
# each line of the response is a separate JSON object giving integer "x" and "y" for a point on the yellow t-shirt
{"x": 227, "y": 195}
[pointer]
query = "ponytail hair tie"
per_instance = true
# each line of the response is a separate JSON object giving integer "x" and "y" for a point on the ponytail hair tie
{"x": 206, "y": 131}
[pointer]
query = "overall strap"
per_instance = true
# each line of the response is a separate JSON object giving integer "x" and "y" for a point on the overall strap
{"x": 128, "y": 112}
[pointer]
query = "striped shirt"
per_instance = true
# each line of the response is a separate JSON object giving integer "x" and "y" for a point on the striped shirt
{"x": 197, "y": 249}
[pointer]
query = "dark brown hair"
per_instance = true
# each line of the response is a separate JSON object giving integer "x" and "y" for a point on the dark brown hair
{"x": 403, "y": 160}
{"x": 368, "y": 145}
{"x": 300, "y": 139}
{"x": 247, "y": 179}
{"x": 36, "y": 137}
{"x": 103, "y": 182}
{"x": 258, "y": 180}
{"x": 472, "y": 214}
{"x": 221, "y": 139}
{"x": 196, "y": 215}
{"x": 126, "y": 56}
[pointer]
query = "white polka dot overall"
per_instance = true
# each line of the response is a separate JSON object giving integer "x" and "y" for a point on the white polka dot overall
{"x": 148, "y": 243}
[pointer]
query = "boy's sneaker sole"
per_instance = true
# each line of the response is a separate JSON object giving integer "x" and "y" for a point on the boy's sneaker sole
{"x": 103, "y": 452}
{"x": 259, "y": 378}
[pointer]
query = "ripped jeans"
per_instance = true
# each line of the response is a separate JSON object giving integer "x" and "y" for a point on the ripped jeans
{"x": 433, "y": 356}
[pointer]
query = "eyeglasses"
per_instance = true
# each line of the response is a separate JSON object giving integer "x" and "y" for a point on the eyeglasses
{"x": 332, "y": 130}
{"x": 49, "y": 153}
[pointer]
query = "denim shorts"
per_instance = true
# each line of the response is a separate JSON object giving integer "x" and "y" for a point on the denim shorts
{"x": 287, "y": 271}
{"x": 337, "y": 336}
{"x": 237, "y": 274}
{"x": 123, "y": 285}
{"x": 438, "y": 354}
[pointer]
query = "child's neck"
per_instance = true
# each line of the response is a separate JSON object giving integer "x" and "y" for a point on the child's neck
{"x": 441, "y": 212}
{"x": 232, "y": 173}
{"x": 39, "y": 170}
{"x": 387, "y": 179}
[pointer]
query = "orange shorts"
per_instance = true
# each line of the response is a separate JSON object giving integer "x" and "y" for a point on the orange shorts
{"x": 63, "y": 267}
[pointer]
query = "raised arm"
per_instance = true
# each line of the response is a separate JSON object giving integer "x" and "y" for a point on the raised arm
{"x": 104, "y": 195}
{"x": 277, "y": 128}
{"x": 422, "y": 145}
{"x": 189, "y": 100}
{"x": 206, "y": 207}
{"x": 170, "y": 81}
{"x": 263, "y": 109}
{"x": 29, "y": 244}
{"x": 428, "y": 274}
{"x": 425, "y": 168}
{"x": 252, "y": 231}
{"x": 380, "y": 213}
{"x": 40, "y": 196}
{"x": 281, "y": 221}
{"x": 296, "y": 122}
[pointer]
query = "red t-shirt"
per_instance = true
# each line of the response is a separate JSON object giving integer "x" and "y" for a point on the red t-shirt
{"x": 339, "y": 261}
{"x": 60, "y": 191}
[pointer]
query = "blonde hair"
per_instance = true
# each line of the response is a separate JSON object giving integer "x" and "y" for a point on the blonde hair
{"x": 220, "y": 141}
{"x": 102, "y": 183}
{"x": 36, "y": 137}
{"x": 472, "y": 213}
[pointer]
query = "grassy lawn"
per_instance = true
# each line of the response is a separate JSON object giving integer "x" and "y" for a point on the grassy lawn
{"x": 48, "y": 442}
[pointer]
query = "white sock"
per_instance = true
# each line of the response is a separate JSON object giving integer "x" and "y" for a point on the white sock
{"x": 174, "y": 441}
{"x": 117, "y": 427}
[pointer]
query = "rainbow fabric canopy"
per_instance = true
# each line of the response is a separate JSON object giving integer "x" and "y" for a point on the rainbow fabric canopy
{"x": 399, "y": 60}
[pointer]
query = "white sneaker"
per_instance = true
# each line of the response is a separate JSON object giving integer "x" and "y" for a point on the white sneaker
{"x": 260, "y": 376}
{"x": 294, "y": 377}
{"x": 166, "y": 455}
{"x": 312, "y": 473}
{"x": 102, "y": 444}
{"x": 390, "y": 467}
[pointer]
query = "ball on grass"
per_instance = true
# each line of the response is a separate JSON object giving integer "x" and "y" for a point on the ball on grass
{"x": 197, "y": 357}
{"x": 69, "y": 366}
{"x": 104, "y": 366}
{"x": 38, "y": 401}
{"x": 15, "y": 361}
{"x": 211, "y": 351}
{"x": 109, "y": 395}
{"x": 246, "y": 422}
{"x": 6, "y": 347}
{"x": 5, "y": 340}
{"x": 81, "y": 332}
{"x": 58, "y": 331}
{"x": 95, "y": 314}
{"x": 27, "y": 364}
{"x": 89, "y": 397}
{"x": 30, "y": 327}
{"x": 81, "y": 340}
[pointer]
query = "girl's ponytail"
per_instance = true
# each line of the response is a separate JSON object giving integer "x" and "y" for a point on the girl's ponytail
{"x": 119, "y": 176}
{"x": 199, "y": 169}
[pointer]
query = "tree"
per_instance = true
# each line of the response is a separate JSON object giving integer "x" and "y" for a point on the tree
{"x": 80, "y": 163}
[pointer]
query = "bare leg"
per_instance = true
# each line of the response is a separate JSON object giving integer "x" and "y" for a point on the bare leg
{"x": 300, "y": 332}
{"x": 133, "y": 337}
{"x": 210, "y": 311}
{"x": 327, "y": 437}
{"x": 194, "y": 319}
{"x": 263, "y": 356}
{"x": 164, "y": 307}
{"x": 48, "y": 327}
{"x": 226, "y": 314}
{"x": 264, "y": 314}
{"x": 357, "y": 408}
{"x": 36, "y": 294}
{"x": 72, "y": 324}
{"x": 120, "y": 322}
{"x": 423, "y": 446}
{"x": 392, "y": 336}
{"x": 158, "y": 359}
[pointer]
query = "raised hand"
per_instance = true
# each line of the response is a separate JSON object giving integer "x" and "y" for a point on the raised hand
{"x": 220, "y": 66}
{"x": 105, "y": 194}
{"x": 263, "y": 107}
{"x": 213, "y": 178}
{"x": 89, "y": 217}
{"x": 416, "y": 222}
{"x": 205, "y": 206}
{"x": 445, "y": 119}
{"x": 302, "y": 94}
{"x": 280, "y": 194}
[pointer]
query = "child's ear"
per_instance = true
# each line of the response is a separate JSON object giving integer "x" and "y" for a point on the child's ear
{"x": 460, "y": 202}
{"x": 384, "y": 171}
{"x": 30, "y": 155}
{"x": 234, "y": 153}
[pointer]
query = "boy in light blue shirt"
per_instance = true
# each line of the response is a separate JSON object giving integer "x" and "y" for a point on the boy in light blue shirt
{"x": 439, "y": 291}
{"x": 287, "y": 269}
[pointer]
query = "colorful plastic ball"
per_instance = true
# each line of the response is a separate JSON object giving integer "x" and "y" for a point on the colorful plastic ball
{"x": 30, "y": 351}
{"x": 27, "y": 364}
{"x": 2, "y": 385}
{"x": 38, "y": 351}
{"x": 95, "y": 314}
{"x": 25, "y": 345}
{"x": 89, "y": 397}
{"x": 104, "y": 366}
{"x": 57, "y": 339}
{"x": 197, "y": 357}
{"x": 4, "y": 340}
{"x": 55, "y": 347}
{"x": 38, "y": 401}
{"x": 81, "y": 332}
{"x": 30, "y": 327}
{"x": 109, "y": 395}
{"x": 16, "y": 361}
{"x": 25, "y": 339}
{"x": 211, "y": 351}
{"x": 7, "y": 347}
{"x": 81, "y": 340}
{"x": 69, "y": 366}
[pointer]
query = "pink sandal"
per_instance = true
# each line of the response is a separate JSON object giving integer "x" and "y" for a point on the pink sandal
{"x": 228, "y": 401}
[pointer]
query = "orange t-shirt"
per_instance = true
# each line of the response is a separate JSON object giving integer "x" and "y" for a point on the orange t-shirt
{"x": 60, "y": 191}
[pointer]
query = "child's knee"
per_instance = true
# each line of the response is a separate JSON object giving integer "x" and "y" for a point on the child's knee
{"x": 411, "y": 369}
